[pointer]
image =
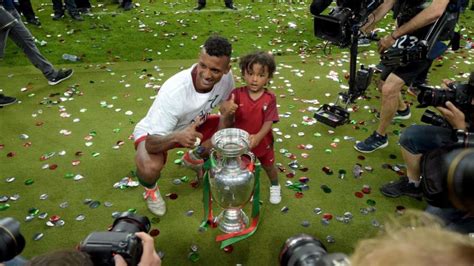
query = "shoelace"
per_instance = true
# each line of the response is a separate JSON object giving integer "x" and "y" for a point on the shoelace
{"x": 150, "y": 193}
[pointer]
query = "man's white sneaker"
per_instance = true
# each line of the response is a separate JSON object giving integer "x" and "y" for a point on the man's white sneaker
{"x": 275, "y": 194}
{"x": 156, "y": 204}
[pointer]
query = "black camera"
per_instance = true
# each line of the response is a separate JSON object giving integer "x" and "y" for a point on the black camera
{"x": 395, "y": 56}
{"x": 430, "y": 117}
{"x": 338, "y": 26}
{"x": 459, "y": 94}
{"x": 11, "y": 240}
{"x": 121, "y": 239}
{"x": 305, "y": 250}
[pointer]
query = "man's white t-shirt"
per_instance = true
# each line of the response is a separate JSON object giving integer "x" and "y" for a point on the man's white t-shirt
{"x": 178, "y": 104}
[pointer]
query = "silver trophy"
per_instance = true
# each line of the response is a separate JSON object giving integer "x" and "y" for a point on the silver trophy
{"x": 232, "y": 184}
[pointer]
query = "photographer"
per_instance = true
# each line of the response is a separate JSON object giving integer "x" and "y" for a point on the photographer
{"x": 414, "y": 20}
{"x": 414, "y": 144}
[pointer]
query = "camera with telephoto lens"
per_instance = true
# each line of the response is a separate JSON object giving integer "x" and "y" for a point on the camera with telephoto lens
{"x": 459, "y": 94}
{"x": 338, "y": 26}
{"x": 121, "y": 239}
{"x": 11, "y": 240}
{"x": 305, "y": 250}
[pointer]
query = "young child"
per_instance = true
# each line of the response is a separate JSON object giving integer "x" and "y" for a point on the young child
{"x": 257, "y": 112}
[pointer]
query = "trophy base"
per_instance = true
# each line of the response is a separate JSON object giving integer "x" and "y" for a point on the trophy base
{"x": 232, "y": 220}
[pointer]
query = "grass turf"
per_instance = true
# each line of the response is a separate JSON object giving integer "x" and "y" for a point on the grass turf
{"x": 109, "y": 90}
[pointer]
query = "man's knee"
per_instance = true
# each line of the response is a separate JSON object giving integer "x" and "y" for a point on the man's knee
{"x": 148, "y": 167}
{"x": 391, "y": 89}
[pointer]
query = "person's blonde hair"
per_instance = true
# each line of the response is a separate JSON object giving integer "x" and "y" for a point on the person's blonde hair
{"x": 415, "y": 238}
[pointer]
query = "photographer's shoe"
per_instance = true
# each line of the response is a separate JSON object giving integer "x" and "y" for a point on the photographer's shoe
{"x": 58, "y": 16}
{"x": 63, "y": 74}
{"x": 199, "y": 7}
{"x": 231, "y": 7}
{"x": 372, "y": 143}
{"x": 363, "y": 42}
{"x": 156, "y": 204}
{"x": 401, "y": 187}
{"x": 275, "y": 194}
{"x": 399, "y": 115}
{"x": 6, "y": 100}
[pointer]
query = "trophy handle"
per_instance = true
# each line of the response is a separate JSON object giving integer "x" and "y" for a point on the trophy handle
{"x": 214, "y": 163}
{"x": 251, "y": 155}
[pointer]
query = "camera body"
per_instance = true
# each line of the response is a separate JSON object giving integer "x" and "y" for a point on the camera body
{"x": 338, "y": 26}
{"x": 395, "y": 56}
{"x": 305, "y": 250}
{"x": 459, "y": 94}
{"x": 101, "y": 245}
{"x": 121, "y": 239}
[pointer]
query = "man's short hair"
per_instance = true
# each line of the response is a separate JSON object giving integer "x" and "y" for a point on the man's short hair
{"x": 218, "y": 46}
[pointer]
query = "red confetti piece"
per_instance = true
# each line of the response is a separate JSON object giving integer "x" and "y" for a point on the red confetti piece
{"x": 54, "y": 218}
{"x": 366, "y": 190}
{"x": 27, "y": 144}
{"x": 154, "y": 232}
{"x": 2, "y": 146}
{"x": 327, "y": 216}
{"x": 290, "y": 175}
{"x": 359, "y": 194}
{"x": 228, "y": 249}
{"x": 173, "y": 196}
{"x": 53, "y": 167}
{"x": 304, "y": 169}
{"x": 299, "y": 195}
{"x": 78, "y": 153}
{"x": 39, "y": 123}
{"x": 361, "y": 157}
{"x": 11, "y": 154}
{"x": 194, "y": 184}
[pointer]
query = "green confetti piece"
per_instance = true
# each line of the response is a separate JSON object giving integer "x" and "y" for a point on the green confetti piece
{"x": 4, "y": 207}
{"x": 139, "y": 99}
{"x": 177, "y": 161}
{"x": 317, "y": 134}
{"x": 116, "y": 130}
{"x": 33, "y": 211}
{"x": 180, "y": 153}
{"x": 29, "y": 181}
{"x": 69, "y": 175}
{"x": 371, "y": 202}
{"x": 184, "y": 178}
{"x": 93, "y": 133}
{"x": 328, "y": 151}
{"x": 193, "y": 256}
{"x": 132, "y": 210}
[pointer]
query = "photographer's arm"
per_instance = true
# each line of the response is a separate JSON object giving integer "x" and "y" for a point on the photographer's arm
{"x": 425, "y": 17}
{"x": 377, "y": 15}
{"x": 429, "y": 15}
{"x": 453, "y": 115}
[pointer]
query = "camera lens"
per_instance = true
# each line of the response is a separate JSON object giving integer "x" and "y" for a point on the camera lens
{"x": 301, "y": 250}
{"x": 460, "y": 178}
{"x": 11, "y": 240}
{"x": 131, "y": 223}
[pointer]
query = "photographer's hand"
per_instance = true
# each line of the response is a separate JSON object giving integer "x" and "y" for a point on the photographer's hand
{"x": 385, "y": 43}
{"x": 453, "y": 115}
{"x": 149, "y": 256}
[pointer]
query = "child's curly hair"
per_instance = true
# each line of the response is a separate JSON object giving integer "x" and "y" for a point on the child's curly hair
{"x": 259, "y": 57}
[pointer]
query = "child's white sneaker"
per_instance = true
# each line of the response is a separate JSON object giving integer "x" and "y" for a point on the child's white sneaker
{"x": 275, "y": 194}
